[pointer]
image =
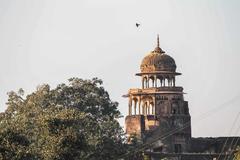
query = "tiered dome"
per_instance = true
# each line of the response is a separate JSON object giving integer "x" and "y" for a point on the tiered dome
{"x": 158, "y": 61}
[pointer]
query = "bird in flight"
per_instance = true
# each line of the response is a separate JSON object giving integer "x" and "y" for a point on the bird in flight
{"x": 137, "y": 24}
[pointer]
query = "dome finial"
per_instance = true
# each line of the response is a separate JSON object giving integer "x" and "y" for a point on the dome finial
{"x": 158, "y": 49}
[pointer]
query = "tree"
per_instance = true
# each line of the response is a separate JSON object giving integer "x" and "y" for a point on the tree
{"x": 237, "y": 154}
{"x": 72, "y": 121}
{"x": 13, "y": 145}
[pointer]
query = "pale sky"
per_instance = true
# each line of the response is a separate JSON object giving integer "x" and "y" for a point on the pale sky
{"x": 49, "y": 41}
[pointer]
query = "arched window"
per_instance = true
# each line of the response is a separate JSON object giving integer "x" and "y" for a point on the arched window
{"x": 134, "y": 107}
{"x": 145, "y": 82}
{"x": 151, "y": 108}
{"x": 175, "y": 108}
{"x": 151, "y": 81}
{"x": 144, "y": 108}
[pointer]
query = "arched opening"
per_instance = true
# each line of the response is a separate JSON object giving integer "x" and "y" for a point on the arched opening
{"x": 134, "y": 108}
{"x": 145, "y": 82}
{"x": 161, "y": 82}
{"x": 175, "y": 108}
{"x": 157, "y": 82}
{"x": 166, "y": 82}
{"x": 170, "y": 81}
{"x": 152, "y": 108}
{"x": 147, "y": 105}
{"x": 151, "y": 81}
{"x": 144, "y": 108}
{"x": 173, "y": 81}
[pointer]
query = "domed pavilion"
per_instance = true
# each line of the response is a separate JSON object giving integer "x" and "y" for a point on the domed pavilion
{"x": 159, "y": 105}
{"x": 159, "y": 116}
{"x": 158, "y": 66}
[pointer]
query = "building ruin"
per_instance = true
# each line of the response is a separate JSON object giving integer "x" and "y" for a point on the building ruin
{"x": 159, "y": 116}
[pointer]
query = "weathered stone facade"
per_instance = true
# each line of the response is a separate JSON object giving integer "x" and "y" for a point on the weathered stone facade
{"x": 159, "y": 105}
{"x": 159, "y": 115}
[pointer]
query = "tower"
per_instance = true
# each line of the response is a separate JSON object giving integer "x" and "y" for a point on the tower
{"x": 157, "y": 110}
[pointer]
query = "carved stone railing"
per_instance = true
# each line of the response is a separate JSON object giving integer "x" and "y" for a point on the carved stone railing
{"x": 158, "y": 89}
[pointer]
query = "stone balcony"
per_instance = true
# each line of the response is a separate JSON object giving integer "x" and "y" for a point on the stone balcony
{"x": 156, "y": 90}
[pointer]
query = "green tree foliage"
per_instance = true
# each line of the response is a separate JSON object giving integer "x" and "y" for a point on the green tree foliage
{"x": 134, "y": 152}
{"x": 72, "y": 121}
{"x": 237, "y": 154}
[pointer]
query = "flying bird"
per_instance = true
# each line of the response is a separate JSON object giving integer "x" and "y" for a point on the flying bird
{"x": 137, "y": 24}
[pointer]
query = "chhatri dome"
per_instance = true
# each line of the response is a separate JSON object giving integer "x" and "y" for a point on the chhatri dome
{"x": 158, "y": 61}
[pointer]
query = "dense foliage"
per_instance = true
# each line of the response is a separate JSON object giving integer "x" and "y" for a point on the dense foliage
{"x": 72, "y": 121}
{"x": 237, "y": 154}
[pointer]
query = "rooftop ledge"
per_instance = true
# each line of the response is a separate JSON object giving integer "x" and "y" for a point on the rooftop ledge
{"x": 158, "y": 73}
{"x": 166, "y": 90}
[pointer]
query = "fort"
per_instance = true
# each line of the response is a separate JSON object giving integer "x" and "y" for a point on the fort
{"x": 159, "y": 116}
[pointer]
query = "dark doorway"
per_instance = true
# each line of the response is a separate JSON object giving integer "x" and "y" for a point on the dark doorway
{"x": 177, "y": 148}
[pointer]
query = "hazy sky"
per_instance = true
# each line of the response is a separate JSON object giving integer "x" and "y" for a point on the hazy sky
{"x": 49, "y": 41}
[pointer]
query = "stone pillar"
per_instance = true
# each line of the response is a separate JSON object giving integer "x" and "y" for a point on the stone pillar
{"x": 143, "y": 111}
{"x": 139, "y": 105}
{"x": 155, "y": 79}
{"x": 147, "y": 108}
{"x": 153, "y": 108}
{"x": 135, "y": 107}
{"x": 130, "y": 106}
{"x": 173, "y": 81}
{"x": 154, "y": 105}
{"x": 147, "y": 81}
